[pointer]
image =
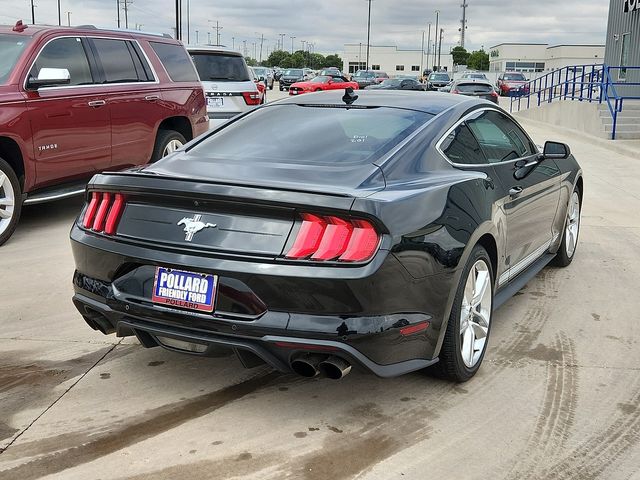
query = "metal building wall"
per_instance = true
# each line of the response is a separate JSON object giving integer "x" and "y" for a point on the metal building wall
{"x": 621, "y": 22}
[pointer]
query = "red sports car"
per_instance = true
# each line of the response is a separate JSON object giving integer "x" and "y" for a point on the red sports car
{"x": 322, "y": 82}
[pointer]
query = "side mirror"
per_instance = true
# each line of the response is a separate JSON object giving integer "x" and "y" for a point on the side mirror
{"x": 50, "y": 77}
{"x": 556, "y": 150}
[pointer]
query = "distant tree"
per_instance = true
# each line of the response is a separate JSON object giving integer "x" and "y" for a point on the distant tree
{"x": 299, "y": 59}
{"x": 277, "y": 57}
{"x": 316, "y": 61}
{"x": 460, "y": 55}
{"x": 333, "y": 61}
{"x": 251, "y": 61}
{"x": 479, "y": 60}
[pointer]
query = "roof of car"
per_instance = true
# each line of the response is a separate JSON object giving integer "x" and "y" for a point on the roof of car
{"x": 430, "y": 102}
{"x": 212, "y": 48}
{"x": 31, "y": 30}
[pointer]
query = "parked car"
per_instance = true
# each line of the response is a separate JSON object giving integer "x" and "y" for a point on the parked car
{"x": 437, "y": 80}
{"x": 369, "y": 77}
{"x": 475, "y": 88}
{"x": 512, "y": 83}
{"x": 76, "y": 101}
{"x": 228, "y": 83}
{"x": 291, "y": 76}
{"x": 331, "y": 71}
{"x": 323, "y": 82}
{"x": 398, "y": 84}
{"x": 265, "y": 75}
{"x": 474, "y": 76}
{"x": 262, "y": 88}
{"x": 446, "y": 88}
{"x": 277, "y": 73}
{"x": 377, "y": 230}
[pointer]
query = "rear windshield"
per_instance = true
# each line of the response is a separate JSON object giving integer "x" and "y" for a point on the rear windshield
{"x": 214, "y": 66}
{"x": 474, "y": 88}
{"x": 11, "y": 46}
{"x": 439, "y": 76}
{"x": 518, "y": 77}
{"x": 308, "y": 135}
{"x": 363, "y": 73}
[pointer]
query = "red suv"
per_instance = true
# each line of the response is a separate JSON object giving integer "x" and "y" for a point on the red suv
{"x": 76, "y": 101}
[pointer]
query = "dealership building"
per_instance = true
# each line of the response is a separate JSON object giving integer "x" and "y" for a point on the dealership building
{"x": 623, "y": 44}
{"x": 540, "y": 57}
{"x": 391, "y": 59}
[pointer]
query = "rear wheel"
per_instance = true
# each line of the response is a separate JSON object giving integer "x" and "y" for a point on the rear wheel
{"x": 10, "y": 201}
{"x": 168, "y": 141}
{"x": 571, "y": 230}
{"x": 469, "y": 323}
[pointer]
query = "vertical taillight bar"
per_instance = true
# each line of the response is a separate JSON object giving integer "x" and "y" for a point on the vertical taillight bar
{"x": 103, "y": 212}
{"x": 90, "y": 212}
{"x": 114, "y": 214}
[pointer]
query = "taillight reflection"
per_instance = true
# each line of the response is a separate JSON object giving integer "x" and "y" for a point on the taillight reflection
{"x": 323, "y": 238}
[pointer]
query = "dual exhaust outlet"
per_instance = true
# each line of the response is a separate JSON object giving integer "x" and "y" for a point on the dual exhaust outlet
{"x": 311, "y": 365}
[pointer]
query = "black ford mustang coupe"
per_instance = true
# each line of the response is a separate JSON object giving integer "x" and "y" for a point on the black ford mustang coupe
{"x": 377, "y": 230}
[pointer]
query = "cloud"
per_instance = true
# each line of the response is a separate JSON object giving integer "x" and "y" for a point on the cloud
{"x": 331, "y": 23}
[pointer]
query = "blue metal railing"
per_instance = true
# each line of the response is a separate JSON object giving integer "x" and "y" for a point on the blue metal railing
{"x": 588, "y": 83}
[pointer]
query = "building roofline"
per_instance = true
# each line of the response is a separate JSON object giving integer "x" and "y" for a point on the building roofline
{"x": 518, "y": 43}
{"x": 577, "y": 45}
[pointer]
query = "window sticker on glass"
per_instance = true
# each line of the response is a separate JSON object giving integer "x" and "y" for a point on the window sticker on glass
{"x": 359, "y": 138}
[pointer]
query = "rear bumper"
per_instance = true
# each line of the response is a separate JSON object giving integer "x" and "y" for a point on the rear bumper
{"x": 357, "y": 312}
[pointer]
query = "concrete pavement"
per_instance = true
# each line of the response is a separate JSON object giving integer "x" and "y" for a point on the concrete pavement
{"x": 557, "y": 397}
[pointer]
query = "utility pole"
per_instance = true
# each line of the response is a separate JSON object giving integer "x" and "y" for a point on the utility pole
{"x": 282, "y": 35}
{"x": 292, "y": 38}
{"x": 422, "y": 53}
{"x": 188, "y": 19}
{"x": 197, "y": 42}
{"x": 59, "y": 19}
{"x": 68, "y": 19}
{"x": 244, "y": 47}
{"x": 255, "y": 53}
{"x": 435, "y": 45}
{"x": 126, "y": 12}
{"x": 233, "y": 43}
{"x": 428, "y": 47}
{"x": 261, "y": 42}
{"x": 440, "y": 46}
{"x": 117, "y": 7}
{"x": 217, "y": 28}
{"x": 463, "y": 22}
{"x": 33, "y": 13}
{"x": 368, "y": 35}
{"x": 178, "y": 19}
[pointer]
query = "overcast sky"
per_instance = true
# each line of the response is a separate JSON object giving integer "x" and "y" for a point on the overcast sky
{"x": 328, "y": 24}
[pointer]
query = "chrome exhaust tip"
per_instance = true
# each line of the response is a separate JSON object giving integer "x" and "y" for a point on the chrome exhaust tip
{"x": 334, "y": 367}
{"x": 307, "y": 365}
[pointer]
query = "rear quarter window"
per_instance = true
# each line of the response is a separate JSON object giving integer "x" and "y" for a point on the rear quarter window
{"x": 176, "y": 61}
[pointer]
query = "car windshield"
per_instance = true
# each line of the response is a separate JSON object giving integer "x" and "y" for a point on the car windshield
{"x": 308, "y": 135}
{"x": 321, "y": 79}
{"x": 439, "y": 77}
{"x": 474, "y": 88}
{"x": 390, "y": 83}
{"x": 11, "y": 46}
{"x": 517, "y": 77}
{"x": 294, "y": 73}
{"x": 363, "y": 73}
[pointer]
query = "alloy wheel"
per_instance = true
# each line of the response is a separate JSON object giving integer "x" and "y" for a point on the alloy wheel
{"x": 475, "y": 313}
{"x": 171, "y": 147}
{"x": 7, "y": 202}
{"x": 573, "y": 224}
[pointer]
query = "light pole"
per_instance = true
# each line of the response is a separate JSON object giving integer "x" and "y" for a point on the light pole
{"x": 33, "y": 13}
{"x": 428, "y": 46}
{"x": 422, "y": 53}
{"x": 197, "y": 43}
{"x": 68, "y": 19}
{"x": 59, "y": 19}
{"x": 117, "y": 7}
{"x": 233, "y": 43}
{"x": 435, "y": 45}
{"x": 368, "y": 35}
{"x": 292, "y": 38}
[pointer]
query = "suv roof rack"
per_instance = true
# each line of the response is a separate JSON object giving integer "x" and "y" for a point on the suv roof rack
{"x": 128, "y": 30}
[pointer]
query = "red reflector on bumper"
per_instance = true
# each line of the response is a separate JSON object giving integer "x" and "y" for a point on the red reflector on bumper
{"x": 411, "y": 329}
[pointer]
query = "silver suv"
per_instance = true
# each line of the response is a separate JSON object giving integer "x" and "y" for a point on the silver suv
{"x": 228, "y": 85}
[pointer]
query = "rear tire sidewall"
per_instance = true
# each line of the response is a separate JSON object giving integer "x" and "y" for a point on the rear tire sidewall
{"x": 451, "y": 364}
{"x": 162, "y": 140}
{"x": 6, "y": 169}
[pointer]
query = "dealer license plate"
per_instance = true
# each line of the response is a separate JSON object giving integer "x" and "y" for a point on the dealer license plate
{"x": 177, "y": 288}
{"x": 215, "y": 102}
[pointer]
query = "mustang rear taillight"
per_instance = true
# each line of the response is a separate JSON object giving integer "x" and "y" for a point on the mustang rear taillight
{"x": 251, "y": 98}
{"x": 323, "y": 238}
{"x": 103, "y": 212}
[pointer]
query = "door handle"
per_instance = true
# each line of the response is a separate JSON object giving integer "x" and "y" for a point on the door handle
{"x": 515, "y": 191}
{"x": 97, "y": 103}
{"x": 151, "y": 98}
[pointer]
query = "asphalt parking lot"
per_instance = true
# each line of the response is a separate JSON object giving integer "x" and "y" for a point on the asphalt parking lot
{"x": 557, "y": 397}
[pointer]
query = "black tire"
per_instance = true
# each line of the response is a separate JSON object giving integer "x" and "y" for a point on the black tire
{"x": 271, "y": 87}
{"x": 563, "y": 258}
{"x": 451, "y": 364}
{"x": 162, "y": 140}
{"x": 7, "y": 228}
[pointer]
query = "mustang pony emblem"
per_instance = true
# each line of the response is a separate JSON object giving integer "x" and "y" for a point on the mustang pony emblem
{"x": 193, "y": 226}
